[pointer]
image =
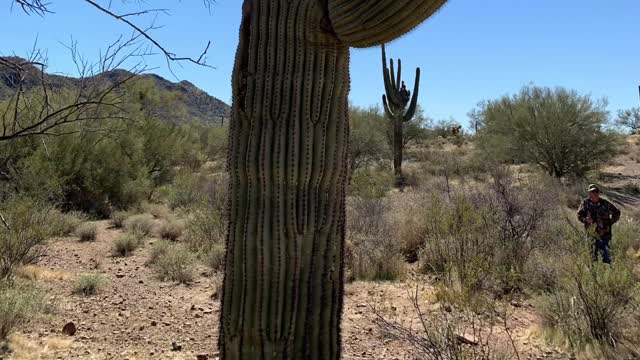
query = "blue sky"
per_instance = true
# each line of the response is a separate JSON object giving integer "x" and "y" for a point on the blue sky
{"x": 470, "y": 51}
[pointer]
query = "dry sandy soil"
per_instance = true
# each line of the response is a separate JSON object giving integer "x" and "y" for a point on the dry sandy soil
{"x": 137, "y": 316}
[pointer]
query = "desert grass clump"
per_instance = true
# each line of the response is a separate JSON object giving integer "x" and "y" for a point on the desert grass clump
{"x": 125, "y": 244}
{"x": 139, "y": 224}
{"x": 64, "y": 224}
{"x": 88, "y": 284}
{"x": 171, "y": 230}
{"x": 87, "y": 232}
{"x": 17, "y": 304}
{"x": 175, "y": 263}
{"x": 118, "y": 218}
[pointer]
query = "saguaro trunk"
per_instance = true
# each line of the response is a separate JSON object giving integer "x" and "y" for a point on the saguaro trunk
{"x": 282, "y": 295}
{"x": 398, "y": 147}
{"x": 395, "y": 101}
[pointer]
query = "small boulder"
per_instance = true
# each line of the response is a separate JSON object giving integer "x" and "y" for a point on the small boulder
{"x": 175, "y": 346}
{"x": 69, "y": 329}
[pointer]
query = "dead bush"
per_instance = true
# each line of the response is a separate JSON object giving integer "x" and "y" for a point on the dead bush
{"x": 443, "y": 336}
{"x": 373, "y": 253}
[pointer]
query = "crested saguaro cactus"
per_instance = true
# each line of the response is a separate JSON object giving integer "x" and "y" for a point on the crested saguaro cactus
{"x": 283, "y": 287}
{"x": 395, "y": 107}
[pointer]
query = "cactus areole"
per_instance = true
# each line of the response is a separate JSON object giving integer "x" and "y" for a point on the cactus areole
{"x": 283, "y": 287}
{"x": 395, "y": 107}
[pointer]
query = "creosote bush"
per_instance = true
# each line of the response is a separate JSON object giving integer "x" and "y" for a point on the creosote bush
{"x": 127, "y": 243}
{"x": 28, "y": 229}
{"x": 87, "y": 232}
{"x": 88, "y": 284}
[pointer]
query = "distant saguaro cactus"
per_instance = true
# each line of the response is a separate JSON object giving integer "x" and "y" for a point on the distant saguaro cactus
{"x": 395, "y": 107}
{"x": 283, "y": 287}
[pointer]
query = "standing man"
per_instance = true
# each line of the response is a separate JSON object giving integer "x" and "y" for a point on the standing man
{"x": 598, "y": 215}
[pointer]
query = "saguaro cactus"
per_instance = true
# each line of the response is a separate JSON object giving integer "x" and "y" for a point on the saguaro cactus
{"x": 283, "y": 286}
{"x": 395, "y": 107}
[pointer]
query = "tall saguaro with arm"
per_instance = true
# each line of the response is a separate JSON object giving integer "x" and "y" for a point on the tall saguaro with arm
{"x": 283, "y": 287}
{"x": 395, "y": 103}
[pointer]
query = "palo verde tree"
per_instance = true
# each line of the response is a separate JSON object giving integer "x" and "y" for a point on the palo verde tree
{"x": 395, "y": 103}
{"x": 557, "y": 129}
{"x": 283, "y": 287}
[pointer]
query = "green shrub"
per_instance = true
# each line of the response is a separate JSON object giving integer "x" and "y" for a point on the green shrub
{"x": 171, "y": 230}
{"x": 87, "y": 232}
{"x": 371, "y": 183}
{"x": 205, "y": 228}
{"x": 28, "y": 228}
{"x": 118, "y": 218}
{"x": 187, "y": 190}
{"x": 565, "y": 136}
{"x": 17, "y": 304}
{"x": 88, "y": 284}
{"x": 64, "y": 224}
{"x": 175, "y": 263}
{"x": 127, "y": 243}
{"x": 139, "y": 224}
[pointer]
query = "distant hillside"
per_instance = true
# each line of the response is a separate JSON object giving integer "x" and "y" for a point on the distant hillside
{"x": 198, "y": 104}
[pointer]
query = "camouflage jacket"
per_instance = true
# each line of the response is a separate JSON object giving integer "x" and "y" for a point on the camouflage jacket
{"x": 603, "y": 214}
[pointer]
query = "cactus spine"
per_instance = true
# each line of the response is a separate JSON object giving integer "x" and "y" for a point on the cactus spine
{"x": 395, "y": 107}
{"x": 283, "y": 287}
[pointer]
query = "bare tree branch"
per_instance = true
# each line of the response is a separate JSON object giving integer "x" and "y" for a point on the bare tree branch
{"x": 42, "y": 8}
{"x": 32, "y": 112}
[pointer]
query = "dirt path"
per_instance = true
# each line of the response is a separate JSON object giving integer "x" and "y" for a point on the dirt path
{"x": 137, "y": 316}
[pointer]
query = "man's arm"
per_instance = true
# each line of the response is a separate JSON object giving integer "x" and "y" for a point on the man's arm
{"x": 615, "y": 213}
{"x": 582, "y": 213}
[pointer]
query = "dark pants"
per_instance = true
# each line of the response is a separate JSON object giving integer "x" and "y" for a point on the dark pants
{"x": 601, "y": 246}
